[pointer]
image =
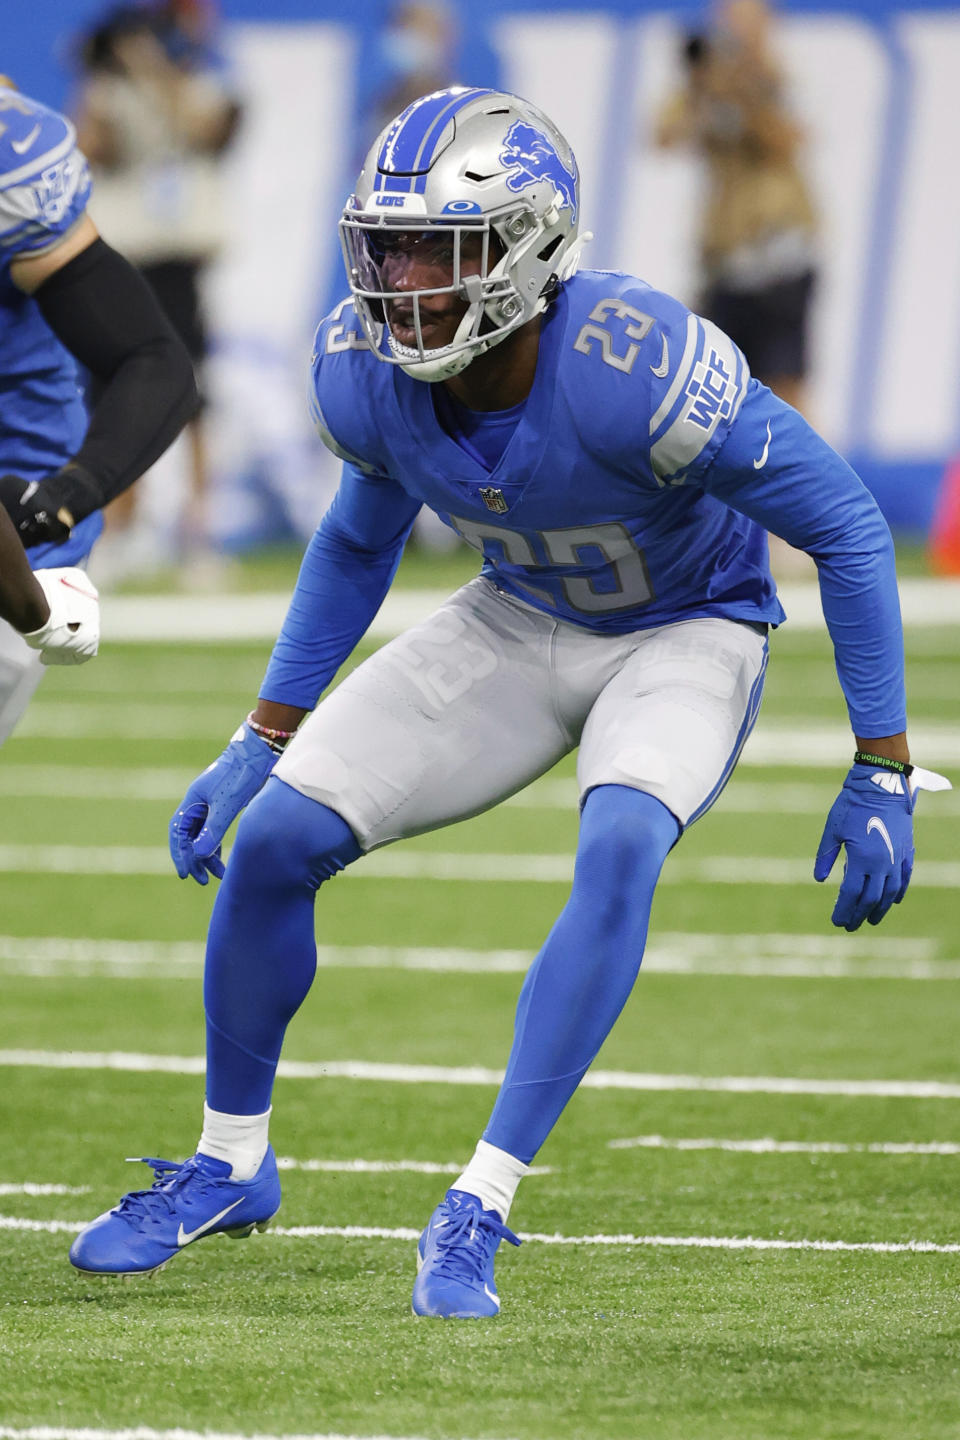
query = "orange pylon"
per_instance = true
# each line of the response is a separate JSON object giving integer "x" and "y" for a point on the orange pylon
{"x": 945, "y": 530}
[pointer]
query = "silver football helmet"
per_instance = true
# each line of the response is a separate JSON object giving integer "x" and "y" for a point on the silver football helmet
{"x": 456, "y": 164}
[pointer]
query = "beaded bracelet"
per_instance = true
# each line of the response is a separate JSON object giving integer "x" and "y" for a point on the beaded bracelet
{"x": 882, "y": 762}
{"x": 276, "y": 739}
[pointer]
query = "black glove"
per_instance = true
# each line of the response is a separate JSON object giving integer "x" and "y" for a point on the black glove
{"x": 45, "y": 512}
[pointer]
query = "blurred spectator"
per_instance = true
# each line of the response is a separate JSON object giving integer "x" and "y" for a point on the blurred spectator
{"x": 154, "y": 115}
{"x": 758, "y": 226}
{"x": 416, "y": 48}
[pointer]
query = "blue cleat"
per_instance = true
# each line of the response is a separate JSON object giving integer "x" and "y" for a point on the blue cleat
{"x": 455, "y": 1260}
{"x": 185, "y": 1203}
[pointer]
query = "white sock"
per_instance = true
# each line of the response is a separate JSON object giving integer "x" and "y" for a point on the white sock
{"x": 493, "y": 1176}
{"x": 240, "y": 1140}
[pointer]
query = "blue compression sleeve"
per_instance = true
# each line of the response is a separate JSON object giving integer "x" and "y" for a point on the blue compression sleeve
{"x": 261, "y": 950}
{"x": 345, "y": 574}
{"x": 804, "y": 492}
{"x": 579, "y": 982}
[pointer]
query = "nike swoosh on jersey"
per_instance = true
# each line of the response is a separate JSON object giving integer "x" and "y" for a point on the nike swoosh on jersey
{"x": 185, "y": 1236}
{"x": 22, "y": 146}
{"x": 759, "y": 464}
{"x": 661, "y": 369}
{"x": 875, "y": 823}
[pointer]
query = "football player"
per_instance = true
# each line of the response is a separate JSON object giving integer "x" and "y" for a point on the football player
{"x": 66, "y": 296}
{"x": 609, "y": 456}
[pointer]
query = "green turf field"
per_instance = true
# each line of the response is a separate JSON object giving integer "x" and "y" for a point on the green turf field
{"x": 679, "y": 1282}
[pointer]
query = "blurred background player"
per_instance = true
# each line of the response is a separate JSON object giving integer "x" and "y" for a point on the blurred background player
{"x": 67, "y": 297}
{"x": 609, "y": 454}
{"x": 155, "y": 115}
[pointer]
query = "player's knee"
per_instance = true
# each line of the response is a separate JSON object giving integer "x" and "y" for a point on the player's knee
{"x": 288, "y": 839}
{"x": 625, "y": 835}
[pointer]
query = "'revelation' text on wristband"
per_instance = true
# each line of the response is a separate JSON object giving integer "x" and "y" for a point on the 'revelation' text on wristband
{"x": 882, "y": 762}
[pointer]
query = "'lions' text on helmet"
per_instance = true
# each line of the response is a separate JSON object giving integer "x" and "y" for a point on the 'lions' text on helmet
{"x": 471, "y": 194}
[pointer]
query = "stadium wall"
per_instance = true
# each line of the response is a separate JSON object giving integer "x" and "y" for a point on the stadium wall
{"x": 873, "y": 82}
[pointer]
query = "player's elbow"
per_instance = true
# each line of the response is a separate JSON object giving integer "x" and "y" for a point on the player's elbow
{"x": 161, "y": 369}
{"x": 856, "y": 544}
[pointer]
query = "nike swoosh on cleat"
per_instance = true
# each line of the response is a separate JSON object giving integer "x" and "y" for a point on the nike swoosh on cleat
{"x": 490, "y": 1295}
{"x": 759, "y": 464}
{"x": 875, "y": 823}
{"x": 185, "y": 1236}
{"x": 22, "y": 146}
{"x": 661, "y": 369}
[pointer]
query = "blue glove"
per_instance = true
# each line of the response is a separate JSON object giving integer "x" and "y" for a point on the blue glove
{"x": 213, "y": 802}
{"x": 872, "y": 818}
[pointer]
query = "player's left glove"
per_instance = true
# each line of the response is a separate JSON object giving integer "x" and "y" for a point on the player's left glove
{"x": 44, "y": 512}
{"x": 214, "y": 801}
{"x": 872, "y": 818}
{"x": 71, "y": 635}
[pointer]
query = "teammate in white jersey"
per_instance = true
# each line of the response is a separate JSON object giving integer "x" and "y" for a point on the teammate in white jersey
{"x": 66, "y": 296}
{"x": 611, "y": 458}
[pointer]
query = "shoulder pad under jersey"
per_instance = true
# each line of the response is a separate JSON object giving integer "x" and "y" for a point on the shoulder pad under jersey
{"x": 675, "y": 381}
{"x": 44, "y": 179}
{"x": 696, "y": 398}
{"x": 342, "y": 386}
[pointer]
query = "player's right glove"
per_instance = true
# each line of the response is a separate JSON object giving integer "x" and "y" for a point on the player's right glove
{"x": 213, "y": 802}
{"x": 71, "y": 635}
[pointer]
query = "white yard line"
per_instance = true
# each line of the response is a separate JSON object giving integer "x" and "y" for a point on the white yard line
{"x": 740, "y": 798}
{"x": 784, "y": 742}
{"x": 768, "y": 956}
{"x": 459, "y": 866}
{"x": 768, "y": 1146}
{"x": 481, "y": 1075}
{"x": 774, "y": 742}
{"x": 927, "y": 602}
{"x": 696, "y": 1242}
{"x": 91, "y": 782}
{"x": 145, "y": 1432}
{"x": 29, "y": 1188}
{"x": 386, "y": 1167}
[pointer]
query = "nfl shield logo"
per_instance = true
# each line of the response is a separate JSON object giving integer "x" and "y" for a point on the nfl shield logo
{"x": 493, "y": 499}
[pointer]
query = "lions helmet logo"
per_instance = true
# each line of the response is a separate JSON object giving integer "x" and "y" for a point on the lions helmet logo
{"x": 532, "y": 157}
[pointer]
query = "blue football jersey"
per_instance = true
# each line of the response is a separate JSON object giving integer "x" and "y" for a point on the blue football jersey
{"x": 636, "y": 489}
{"x": 599, "y": 510}
{"x": 44, "y": 187}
